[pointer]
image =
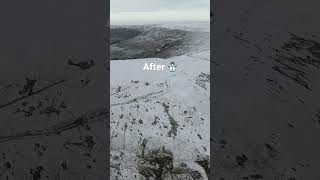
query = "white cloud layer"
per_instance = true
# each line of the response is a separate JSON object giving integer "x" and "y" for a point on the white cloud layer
{"x": 155, "y": 11}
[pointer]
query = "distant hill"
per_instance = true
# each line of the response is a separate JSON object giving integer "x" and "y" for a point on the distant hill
{"x": 133, "y": 42}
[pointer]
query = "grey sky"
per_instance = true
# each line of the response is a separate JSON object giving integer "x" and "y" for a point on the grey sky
{"x": 153, "y": 11}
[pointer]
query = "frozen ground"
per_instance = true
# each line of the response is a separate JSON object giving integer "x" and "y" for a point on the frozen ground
{"x": 160, "y": 119}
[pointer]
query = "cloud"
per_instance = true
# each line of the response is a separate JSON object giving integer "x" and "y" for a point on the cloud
{"x": 156, "y": 5}
{"x": 153, "y": 11}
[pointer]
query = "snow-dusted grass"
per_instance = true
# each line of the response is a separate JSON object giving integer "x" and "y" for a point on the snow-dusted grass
{"x": 169, "y": 109}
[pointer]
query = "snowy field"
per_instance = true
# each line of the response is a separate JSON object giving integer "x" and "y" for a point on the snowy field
{"x": 160, "y": 119}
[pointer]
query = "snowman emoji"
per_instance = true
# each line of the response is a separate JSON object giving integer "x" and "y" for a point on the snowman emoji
{"x": 172, "y": 67}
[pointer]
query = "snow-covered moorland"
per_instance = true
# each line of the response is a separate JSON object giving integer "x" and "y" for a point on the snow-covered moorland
{"x": 160, "y": 119}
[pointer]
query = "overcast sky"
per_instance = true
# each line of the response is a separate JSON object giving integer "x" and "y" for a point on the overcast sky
{"x": 154, "y": 11}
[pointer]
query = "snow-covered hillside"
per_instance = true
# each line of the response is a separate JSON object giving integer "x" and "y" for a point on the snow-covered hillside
{"x": 194, "y": 26}
{"x": 160, "y": 119}
{"x": 158, "y": 41}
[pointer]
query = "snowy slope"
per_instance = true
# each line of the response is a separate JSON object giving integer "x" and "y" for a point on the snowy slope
{"x": 161, "y": 113}
{"x": 188, "y": 26}
{"x": 157, "y": 41}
